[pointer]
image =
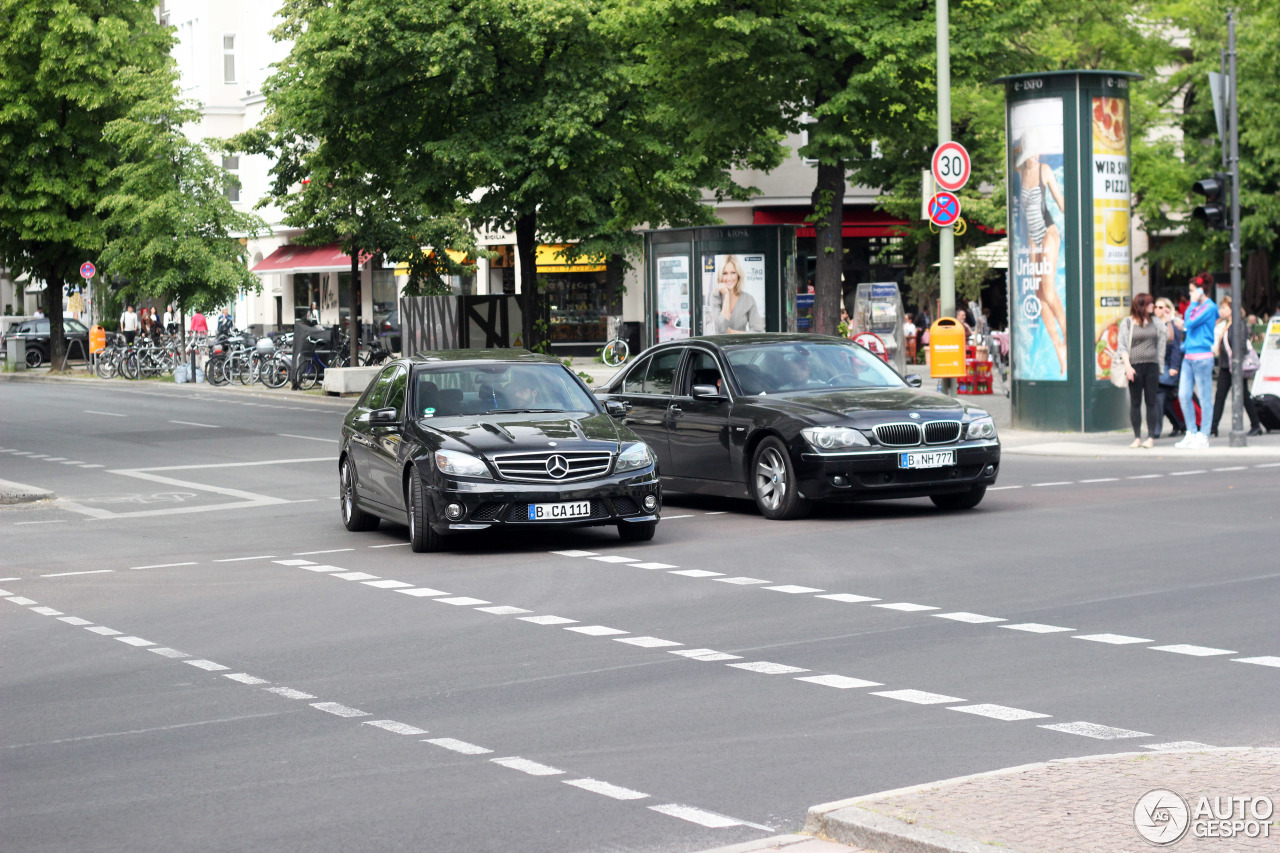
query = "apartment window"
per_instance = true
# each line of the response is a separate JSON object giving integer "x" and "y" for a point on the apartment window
{"x": 232, "y": 166}
{"x": 229, "y": 59}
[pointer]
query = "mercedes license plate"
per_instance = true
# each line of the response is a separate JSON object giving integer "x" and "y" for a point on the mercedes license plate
{"x": 926, "y": 459}
{"x": 555, "y": 512}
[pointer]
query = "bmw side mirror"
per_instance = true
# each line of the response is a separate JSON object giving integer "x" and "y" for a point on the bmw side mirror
{"x": 706, "y": 392}
{"x": 384, "y": 417}
{"x": 914, "y": 380}
{"x": 616, "y": 408}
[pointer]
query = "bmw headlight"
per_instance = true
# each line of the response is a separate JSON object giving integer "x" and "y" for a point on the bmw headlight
{"x": 634, "y": 457}
{"x": 461, "y": 464}
{"x": 834, "y": 438}
{"x": 981, "y": 428}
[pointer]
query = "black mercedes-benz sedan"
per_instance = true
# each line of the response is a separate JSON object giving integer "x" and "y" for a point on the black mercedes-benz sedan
{"x": 477, "y": 439}
{"x": 788, "y": 419}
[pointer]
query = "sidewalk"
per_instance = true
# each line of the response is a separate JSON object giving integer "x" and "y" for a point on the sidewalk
{"x": 1076, "y": 805}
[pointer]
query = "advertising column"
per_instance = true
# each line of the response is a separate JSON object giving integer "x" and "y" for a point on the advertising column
{"x": 1112, "y": 264}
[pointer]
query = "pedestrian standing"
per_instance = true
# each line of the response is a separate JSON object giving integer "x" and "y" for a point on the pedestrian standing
{"x": 909, "y": 337}
{"x": 169, "y": 320}
{"x": 1222, "y": 350}
{"x": 1142, "y": 343}
{"x": 129, "y": 324}
{"x": 1197, "y": 365}
{"x": 1167, "y": 391}
{"x": 199, "y": 325}
{"x": 225, "y": 326}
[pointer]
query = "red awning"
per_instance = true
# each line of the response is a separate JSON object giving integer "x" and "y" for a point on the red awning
{"x": 327, "y": 258}
{"x": 858, "y": 222}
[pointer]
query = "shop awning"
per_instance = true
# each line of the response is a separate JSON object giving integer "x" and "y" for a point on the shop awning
{"x": 857, "y": 221}
{"x": 290, "y": 259}
{"x": 549, "y": 259}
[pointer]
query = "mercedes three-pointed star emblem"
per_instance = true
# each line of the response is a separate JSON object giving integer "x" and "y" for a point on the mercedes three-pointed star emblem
{"x": 557, "y": 467}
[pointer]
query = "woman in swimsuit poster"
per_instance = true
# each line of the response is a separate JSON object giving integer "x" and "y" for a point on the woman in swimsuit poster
{"x": 1043, "y": 237}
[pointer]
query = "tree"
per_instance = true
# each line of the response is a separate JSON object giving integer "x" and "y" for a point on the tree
{"x": 60, "y": 64}
{"x": 172, "y": 230}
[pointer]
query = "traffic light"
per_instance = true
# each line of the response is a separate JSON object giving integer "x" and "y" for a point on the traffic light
{"x": 1213, "y": 213}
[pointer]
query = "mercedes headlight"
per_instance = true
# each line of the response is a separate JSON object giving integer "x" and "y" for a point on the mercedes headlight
{"x": 981, "y": 428}
{"x": 461, "y": 464}
{"x": 634, "y": 457}
{"x": 834, "y": 438}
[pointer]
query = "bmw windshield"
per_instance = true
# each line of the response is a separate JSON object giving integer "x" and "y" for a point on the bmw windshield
{"x": 782, "y": 368}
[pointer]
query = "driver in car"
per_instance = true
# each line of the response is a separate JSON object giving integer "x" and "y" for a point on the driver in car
{"x": 796, "y": 373}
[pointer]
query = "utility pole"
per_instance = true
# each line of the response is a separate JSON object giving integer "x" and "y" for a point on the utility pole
{"x": 946, "y": 234}
{"x": 1238, "y": 339}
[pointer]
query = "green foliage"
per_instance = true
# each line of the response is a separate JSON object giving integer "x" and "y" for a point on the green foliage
{"x": 970, "y": 273}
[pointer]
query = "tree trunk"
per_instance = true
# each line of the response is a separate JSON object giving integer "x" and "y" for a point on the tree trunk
{"x": 828, "y": 224}
{"x": 353, "y": 298}
{"x": 527, "y": 252}
{"x": 53, "y": 310}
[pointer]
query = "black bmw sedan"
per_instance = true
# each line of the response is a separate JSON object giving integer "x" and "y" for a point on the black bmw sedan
{"x": 476, "y": 439}
{"x": 788, "y": 419}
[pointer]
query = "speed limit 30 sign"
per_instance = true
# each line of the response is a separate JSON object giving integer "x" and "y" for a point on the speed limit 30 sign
{"x": 951, "y": 166}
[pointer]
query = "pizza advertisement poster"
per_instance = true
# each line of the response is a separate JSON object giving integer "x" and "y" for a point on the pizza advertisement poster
{"x": 1112, "y": 256}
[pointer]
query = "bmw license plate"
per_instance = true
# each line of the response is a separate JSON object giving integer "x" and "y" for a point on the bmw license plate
{"x": 555, "y": 512}
{"x": 926, "y": 458}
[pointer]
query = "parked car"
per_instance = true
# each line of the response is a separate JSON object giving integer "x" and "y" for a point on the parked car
{"x": 788, "y": 419}
{"x": 36, "y": 334}
{"x": 476, "y": 439}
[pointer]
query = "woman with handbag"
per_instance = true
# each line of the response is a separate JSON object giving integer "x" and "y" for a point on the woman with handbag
{"x": 1141, "y": 349}
{"x": 1222, "y": 349}
{"x": 1167, "y": 389}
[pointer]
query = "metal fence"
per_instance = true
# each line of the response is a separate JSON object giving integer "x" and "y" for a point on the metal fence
{"x": 459, "y": 322}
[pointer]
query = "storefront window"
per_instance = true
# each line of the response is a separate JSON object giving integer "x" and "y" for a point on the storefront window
{"x": 306, "y": 290}
{"x": 581, "y": 304}
{"x": 385, "y": 294}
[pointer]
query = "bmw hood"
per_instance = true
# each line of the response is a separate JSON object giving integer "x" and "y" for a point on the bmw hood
{"x": 496, "y": 433}
{"x": 866, "y": 406}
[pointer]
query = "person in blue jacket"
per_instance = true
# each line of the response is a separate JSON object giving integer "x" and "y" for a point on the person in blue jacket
{"x": 1197, "y": 363}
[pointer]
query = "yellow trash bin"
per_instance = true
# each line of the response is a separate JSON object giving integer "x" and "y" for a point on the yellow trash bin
{"x": 946, "y": 348}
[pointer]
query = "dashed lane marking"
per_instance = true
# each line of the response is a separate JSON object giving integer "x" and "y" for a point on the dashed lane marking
{"x": 1194, "y": 651}
{"x": 462, "y": 601}
{"x": 1232, "y": 468}
{"x": 69, "y": 574}
{"x": 793, "y": 589}
{"x": 1112, "y": 639}
{"x": 1260, "y": 661}
{"x": 1059, "y": 483}
{"x": 711, "y": 820}
{"x": 524, "y": 765}
{"x": 971, "y": 618}
{"x": 847, "y": 597}
{"x": 166, "y": 652}
{"x": 548, "y": 620}
{"x": 243, "y": 559}
{"x": 206, "y": 665}
{"x": 503, "y": 610}
{"x": 245, "y": 678}
{"x": 1186, "y": 473}
{"x": 391, "y": 545}
{"x": 768, "y": 667}
{"x": 613, "y": 558}
{"x": 1102, "y": 480}
{"x": 422, "y": 592}
{"x": 313, "y": 553}
{"x": 388, "y": 584}
{"x": 918, "y": 697}
{"x": 46, "y": 611}
{"x": 906, "y": 607}
{"x": 1145, "y": 477}
{"x": 308, "y": 437}
{"x": 576, "y": 553}
{"x": 455, "y": 745}
{"x": 75, "y": 620}
{"x": 288, "y": 693}
{"x": 1001, "y": 488}
{"x": 164, "y": 566}
{"x": 697, "y": 573}
{"x": 595, "y": 630}
{"x": 595, "y": 786}
{"x": 314, "y": 567}
{"x": 194, "y": 424}
{"x": 1093, "y": 730}
{"x": 653, "y": 566}
{"x": 647, "y": 642}
{"x": 707, "y": 655}
{"x": 395, "y": 727}
{"x": 106, "y": 632}
{"x": 674, "y": 517}
{"x": 135, "y": 641}
{"x": 840, "y": 682}
{"x": 999, "y": 712}
{"x": 355, "y": 576}
{"x": 338, "y": 710}
{"x": 107, "y": 414}
{"x": 294, "y": 562}
{"x": 1036, "y": 628}
{"x": 742, "y": 581}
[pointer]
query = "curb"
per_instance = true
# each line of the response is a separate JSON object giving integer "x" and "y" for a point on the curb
{"x": 20, "y": 493}
{"x": 251, "y": 391}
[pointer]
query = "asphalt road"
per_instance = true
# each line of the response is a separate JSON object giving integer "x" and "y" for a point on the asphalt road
{"x": 279, "y": 683}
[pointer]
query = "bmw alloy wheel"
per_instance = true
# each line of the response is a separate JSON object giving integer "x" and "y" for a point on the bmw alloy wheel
{"x": 771, "y": 478}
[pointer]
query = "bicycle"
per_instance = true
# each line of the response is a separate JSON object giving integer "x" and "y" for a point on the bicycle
{"x": 616, "y": 352}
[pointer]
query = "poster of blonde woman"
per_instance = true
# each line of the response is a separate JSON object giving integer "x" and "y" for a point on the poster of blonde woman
{"x": 1039, "y": 231}
{"x": 732, "y": 294}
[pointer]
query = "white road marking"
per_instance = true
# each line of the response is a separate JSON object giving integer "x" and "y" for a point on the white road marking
{"x": 524, "y": 765}
{"x": 793, "y": 589}
{"x": 698, "y": 816}
{"x": 547, "y": 620}
{"x": 1261, "y": 661}
{"x": 1059, "y": 483}
{"x": 717, "y": 512}
{"x": 653, "y": 566}
{"x": 74, "y": 620}
{"x": 1194, "y": 651}
{"x": 1145, "y": 477}
{"x": 595, "y": 786}
{"x": 166, "y": 652}
{"x": 919, "y": 697}
{"x": 462, "y": 601}
{"x": 69, "y": 574}
{"x": 1177, "y": 746}
{"x": 742, "y": 581}
{"x": 765, "y": 667}
{"x": 336, "y": 709}
{"x": 50, "y": 521}
{"x": 308, "y": 437}
{"x": 709, "y": 655}
{"x": 1094, "y": 730}
{"x": 3, "y": 580}
{"x": 46, "y": 611}
{"x": 1186, "y": 473}
{"x": 244, "y": 559}
{"x": 1036, "y": 628}
{"x": 207, "y": 665}
{"x": 1001, "y": 488}
{"x": 847, "y": 597}
{"x": 194, "y": 424}
{"x": 288, "y": 693}
{"x": 93, "y": 466}
{"x": 108, "y": 414}
{"x": 503, "y": 610}
{"x": 1102, "y": 480}
{"x": 391, "y": 545}
{"x": 1268, "y": 465}
{"x": 294, "y": 562}
{"x": 163, "y": 566}
{"x": 245, "y": 678}
{"x": 575, "y": 553}
{"x": 999, "y": 712}
{"x": 135, "y": 641}
{"x": 906, "y": 607}
{"x": 697, "y": 573}
{"x": 395, "y": 727}
{"x": 38, "y": 456}
{"x": 674, "y": 517}
{"x": 596, "y": 630}
{"x": 313, "y": 567}
{"x": 422, "y": 592}
{"x": 388, "y": 584}
{"x": 22, "y": 602}
{"x": 104, "y": 631}
{"x": 843, "y": 682}
{"x": 313, "y": 553}
{"x": 355, "y": 576}
{"x": 962, "y": 616}
{"x": 614, "y": 558}
{"x": 1219, "y": 470}
{"x": 1112, "y": 639}
{"x": 647, "y": 642}
{"x": 56, "y": 459}
{"x": 457, "y": 745}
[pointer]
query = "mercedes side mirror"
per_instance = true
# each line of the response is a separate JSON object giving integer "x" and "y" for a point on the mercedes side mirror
{"x": 706, "y": 392}
{"x": 616, "y": 408}
{"x": 384, "y": 417}
{"x": 914, "y": 380}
